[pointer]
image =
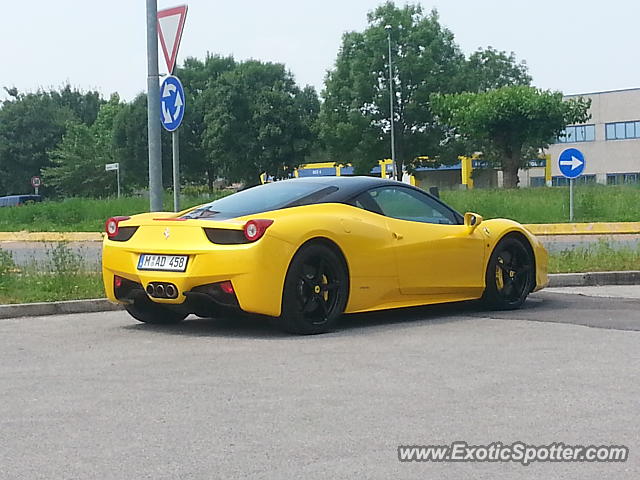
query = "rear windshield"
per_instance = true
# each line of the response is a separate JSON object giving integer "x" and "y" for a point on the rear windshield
{"x": 263, "y": 198}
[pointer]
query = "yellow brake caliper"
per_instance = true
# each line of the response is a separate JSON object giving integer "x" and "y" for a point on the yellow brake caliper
{"x": 499, "y": 277}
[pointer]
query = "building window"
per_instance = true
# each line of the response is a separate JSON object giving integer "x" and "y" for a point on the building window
{"x": 559, "y": 181}
{"x": 622, "y": 178}
{"x": 622, "y": 130}
{"x": 581, "y": 180}
{"x": 537, "y": 182}
{"x": 586, "y": 180}
{"x": 577, "y": 134}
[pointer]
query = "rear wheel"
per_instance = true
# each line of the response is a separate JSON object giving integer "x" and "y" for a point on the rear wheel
{"x": 315, "y": 291}
{"x": 149, "y": 312}
{"x": 509, "y": 277}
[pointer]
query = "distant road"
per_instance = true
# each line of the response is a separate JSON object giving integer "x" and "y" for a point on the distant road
{"x": 26, "y": 252}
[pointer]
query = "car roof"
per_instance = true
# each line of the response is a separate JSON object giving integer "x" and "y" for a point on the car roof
{"x": 347, "y": 186}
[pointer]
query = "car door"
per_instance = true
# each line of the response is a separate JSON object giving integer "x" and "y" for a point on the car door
{"x": 435, "y": 253}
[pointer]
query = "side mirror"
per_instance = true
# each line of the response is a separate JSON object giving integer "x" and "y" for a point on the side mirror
{"x": 472, "y": 220}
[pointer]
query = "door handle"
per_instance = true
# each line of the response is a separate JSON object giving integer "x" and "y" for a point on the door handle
{"x": 398, "y": 236}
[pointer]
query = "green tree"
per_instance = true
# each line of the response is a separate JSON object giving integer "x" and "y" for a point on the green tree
{"x": 257, "y": 120}
{"x": 488, "y": 69}
{"x": 130, "y": 142}
{"x": 84, "y": 105}
{"x": 198, "y": 77}
{"x": 130, "y": 128}
{"x": 355, "y": 116}
{"x": 78, "y": 161}
{"x": 31, "y": 125}
{"x": 507, "y": 123}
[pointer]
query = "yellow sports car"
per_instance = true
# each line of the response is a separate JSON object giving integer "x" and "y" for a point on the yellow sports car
{"x": 307, "y": 250}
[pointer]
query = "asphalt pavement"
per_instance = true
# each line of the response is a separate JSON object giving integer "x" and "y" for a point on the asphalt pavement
{"x": 101, "y": 396}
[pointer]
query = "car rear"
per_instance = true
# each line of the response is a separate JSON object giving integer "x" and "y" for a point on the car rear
{"x": 193, "y": 263}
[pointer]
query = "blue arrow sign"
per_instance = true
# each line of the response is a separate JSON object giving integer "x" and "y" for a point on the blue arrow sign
{"x": 571, "y": 163}
{"x": 171, "y": 103}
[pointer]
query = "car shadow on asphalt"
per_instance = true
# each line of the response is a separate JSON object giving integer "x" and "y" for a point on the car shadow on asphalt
{"x": 261, "y": 327}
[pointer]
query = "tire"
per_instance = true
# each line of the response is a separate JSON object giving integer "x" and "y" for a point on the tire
{"x": 315, "y": 291}
{"x": 510, "y": 275}
{"x": 149, "y": 312}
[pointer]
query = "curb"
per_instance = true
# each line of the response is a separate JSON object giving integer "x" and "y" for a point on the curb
{"x": 50, "y": 237}
{"x": 57, "y": 308}
{"x": 588, "y": 279}
{"x": 591, "y": 279}
{"x": 596, "y": 228}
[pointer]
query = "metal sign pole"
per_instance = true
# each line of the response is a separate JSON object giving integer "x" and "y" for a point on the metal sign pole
{"x": 176, "y": 170}
{"x": 571, "y": 199}
{"x": 153, "y": 109}
{"x": 36, "y": 190}
{"x": 118, "y": 179}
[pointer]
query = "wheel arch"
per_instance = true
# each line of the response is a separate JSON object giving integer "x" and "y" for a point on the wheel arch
{"x": 520, "y": 236}
{"x": 327, "y": 242}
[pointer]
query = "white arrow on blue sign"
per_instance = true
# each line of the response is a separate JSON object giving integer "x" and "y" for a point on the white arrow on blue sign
{"x": 571, "y": 163}
{"x": 171, "y": 103}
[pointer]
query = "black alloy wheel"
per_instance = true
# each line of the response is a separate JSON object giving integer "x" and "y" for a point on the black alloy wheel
{"x": 509, "y": 276}
{"x": 315, "y": 291}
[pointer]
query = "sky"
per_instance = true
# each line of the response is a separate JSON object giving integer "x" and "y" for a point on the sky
{"x": 571, "y": 46}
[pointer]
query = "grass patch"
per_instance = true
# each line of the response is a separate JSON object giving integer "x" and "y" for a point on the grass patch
{"x": 63, "y": 276}
{"x": 83, "y": 214}
{"x": 592, "y": 203}
{"x": 600, "y": 258}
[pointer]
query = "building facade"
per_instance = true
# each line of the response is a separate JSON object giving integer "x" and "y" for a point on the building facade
{"x": 610, "y": 140}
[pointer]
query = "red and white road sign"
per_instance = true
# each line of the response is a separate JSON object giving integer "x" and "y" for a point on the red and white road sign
{"x": 36, "y": 182}
{"x": 170, "y": 25}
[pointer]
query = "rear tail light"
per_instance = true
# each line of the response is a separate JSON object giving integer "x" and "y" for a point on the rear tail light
{"x": 112, "y": 226}
{"x": 254, "y": 229}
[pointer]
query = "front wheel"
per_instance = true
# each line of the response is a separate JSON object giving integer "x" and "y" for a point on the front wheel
{"x": 509, "y": 276}
{"x": 315, "y": 291}
{"x": 149, "y": 312}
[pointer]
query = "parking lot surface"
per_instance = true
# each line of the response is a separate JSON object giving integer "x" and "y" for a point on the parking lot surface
{"x": 102, "y": 396}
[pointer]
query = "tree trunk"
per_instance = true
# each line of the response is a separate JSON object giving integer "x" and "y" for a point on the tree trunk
{"x": 510, "y": 173}
{"x": 210, "y": 180}
{"x": 400, "y": 165}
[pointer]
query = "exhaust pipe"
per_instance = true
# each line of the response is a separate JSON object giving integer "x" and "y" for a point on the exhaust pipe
{"x": 162, "y": 290}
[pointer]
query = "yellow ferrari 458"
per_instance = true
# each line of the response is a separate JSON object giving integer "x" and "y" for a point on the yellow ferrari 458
{"x": 307, "y": 250}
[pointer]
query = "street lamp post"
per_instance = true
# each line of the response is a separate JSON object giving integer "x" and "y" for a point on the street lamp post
{"x": 391, "y": 119}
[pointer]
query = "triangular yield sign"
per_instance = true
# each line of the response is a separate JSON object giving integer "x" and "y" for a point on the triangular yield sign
{"x": 170, "y": 25}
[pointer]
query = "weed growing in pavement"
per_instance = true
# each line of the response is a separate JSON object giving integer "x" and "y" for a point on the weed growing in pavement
{"x": 62, "y": 275}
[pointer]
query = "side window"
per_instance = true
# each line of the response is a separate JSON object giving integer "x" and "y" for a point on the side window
{"x": 408, "y": 204}
{"x": 365, "y": 202}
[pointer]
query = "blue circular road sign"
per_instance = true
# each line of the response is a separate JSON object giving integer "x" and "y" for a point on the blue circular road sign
{"x": 571, "y": 163}
{"x": 171, "y": 103}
